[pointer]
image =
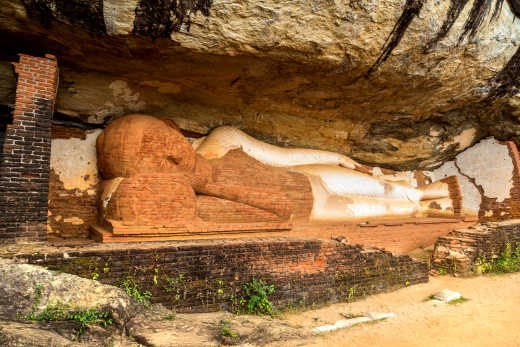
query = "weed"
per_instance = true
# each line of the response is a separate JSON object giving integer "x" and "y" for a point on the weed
{"x": 156, "y": 272}
{"x": 256, "y": 297}
{"x": 58, "y": 312}
{"x": 228, "y": 332}
{"x": 458, "y": 301}
{"x": 220, "y": 291}
{"x": 132, "y": 289}
{"x": 431, "y": 297}
{"x": 95, "y": 275}
{"x": 176, "y": 286}
{"x": 351, "y": 293}
{"x": 508, "y": 261}
{"x": 170, "y": 316}
{"x": 92, "y": 315}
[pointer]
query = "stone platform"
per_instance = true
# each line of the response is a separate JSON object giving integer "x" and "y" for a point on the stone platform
{"x": 141, "y": 234}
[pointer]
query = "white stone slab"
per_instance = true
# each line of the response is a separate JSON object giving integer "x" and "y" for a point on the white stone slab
{"x": 446, "y": 295}
{"x": 344, "y": 323}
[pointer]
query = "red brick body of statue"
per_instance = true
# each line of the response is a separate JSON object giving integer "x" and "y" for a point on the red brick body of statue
{"x": 153, "y": 182}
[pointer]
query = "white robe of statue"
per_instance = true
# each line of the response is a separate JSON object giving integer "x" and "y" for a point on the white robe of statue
{"x": 340, "y": 191}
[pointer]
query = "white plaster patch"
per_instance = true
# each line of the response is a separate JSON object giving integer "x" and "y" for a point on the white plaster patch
{"x": 74, "y": 220}
{"x": 471, "y": 198}
{"x": 75, "y": 161}
{"x": 489, "y": 163}
{"x": 119, "y": 16}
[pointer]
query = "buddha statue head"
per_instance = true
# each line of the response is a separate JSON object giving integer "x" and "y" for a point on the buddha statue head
{"x": 137, "y": 144}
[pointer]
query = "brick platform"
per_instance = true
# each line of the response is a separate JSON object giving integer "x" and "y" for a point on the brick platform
{"x": 399, "y": 236}
{"x": 25, "y": 156}
{"x": 458, "y": 251}
{"x": 303, "y": 271}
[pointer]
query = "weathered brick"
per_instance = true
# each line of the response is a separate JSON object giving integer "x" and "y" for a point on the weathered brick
{"x": 25, "y": 155}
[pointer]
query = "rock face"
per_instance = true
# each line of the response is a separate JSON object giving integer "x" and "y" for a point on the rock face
{"x": 19, "y": 292}
{"x": 404, "y": 84}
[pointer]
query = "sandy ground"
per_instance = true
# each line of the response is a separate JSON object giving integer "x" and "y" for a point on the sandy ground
{"x": 490, "y": 318}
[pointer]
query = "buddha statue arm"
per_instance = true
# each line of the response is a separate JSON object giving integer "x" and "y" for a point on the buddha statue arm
{"x": 224, "y": 139}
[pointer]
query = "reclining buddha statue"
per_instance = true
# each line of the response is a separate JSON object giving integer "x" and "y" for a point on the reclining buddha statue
{"x": 156, "y": 182}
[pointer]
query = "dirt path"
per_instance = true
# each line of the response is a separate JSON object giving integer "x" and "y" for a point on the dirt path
{"x": 490, "y": 318}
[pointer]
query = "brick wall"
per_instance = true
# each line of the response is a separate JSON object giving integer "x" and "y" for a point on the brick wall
{"x": 460, "y": 249}
{"x": 303, "y": 271}
{"x": 25, "y": 158}
{"x": 71, "y": 212}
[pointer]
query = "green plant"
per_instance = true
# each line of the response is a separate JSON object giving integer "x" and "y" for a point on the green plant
{"x": 95, "y": 275}
{"x": 132, "y": 289}
{"x": 220, "y": 291}
{"x": 228, "y": 332}
{"x": 431, "y": 297}
{"x": 458, "y": 301}
{"x": 351, "y": 293}
{"x": 58, "y": 312}
{"x": 255, "y": 299}
{"x": 442, "y": 271}
{"x": 93, "y": 315}
{"x": 508, "y": 261}
{"x": 175, "y": 285}
{"x": 170, "y": 316}
{"x": 156, "y": 272}
{"x": 51, "y": 312}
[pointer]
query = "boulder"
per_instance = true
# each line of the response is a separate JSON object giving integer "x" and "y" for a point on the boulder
{"x": 23, "y": 286}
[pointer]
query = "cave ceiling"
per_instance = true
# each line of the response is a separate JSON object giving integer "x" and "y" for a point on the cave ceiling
{"x": 402, "y": 84}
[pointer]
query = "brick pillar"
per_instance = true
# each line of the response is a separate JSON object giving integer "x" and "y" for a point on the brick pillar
{"x": 25, "y": 157}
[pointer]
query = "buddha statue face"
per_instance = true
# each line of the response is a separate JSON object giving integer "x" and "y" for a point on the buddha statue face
{"x": 143, "y": 144}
